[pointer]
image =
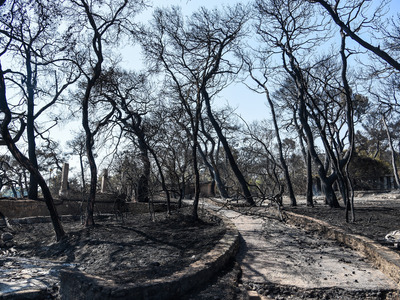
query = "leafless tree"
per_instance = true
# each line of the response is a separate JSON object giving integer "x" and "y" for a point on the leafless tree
{"x": 262, "y": 87}
{"x": 194, "y": 57}
{"x": 37, "y": 67}
{"x": 6, "y": 116}
{"x": 351, "y": 17}
{"x": 100, "y": 24}
{"x": 290, "y": 27}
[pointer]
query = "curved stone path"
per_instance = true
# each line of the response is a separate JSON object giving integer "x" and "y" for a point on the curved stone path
{"x": 271, "y": 253}
{"x": 275, "y": 253}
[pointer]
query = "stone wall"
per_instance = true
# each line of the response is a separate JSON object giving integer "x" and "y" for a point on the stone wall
{"x": 105, "y": 204}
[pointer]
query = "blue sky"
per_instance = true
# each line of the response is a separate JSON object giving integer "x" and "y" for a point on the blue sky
{"x": 249, "y": 105}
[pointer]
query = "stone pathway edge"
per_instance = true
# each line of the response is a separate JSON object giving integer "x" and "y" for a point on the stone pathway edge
{"x": 79, "y": 285}
{"x": 383, "y": 258}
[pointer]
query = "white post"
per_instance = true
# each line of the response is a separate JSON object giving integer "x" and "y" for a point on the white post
{"x": 104, "y": 180}
{"x": 63, "y": 193}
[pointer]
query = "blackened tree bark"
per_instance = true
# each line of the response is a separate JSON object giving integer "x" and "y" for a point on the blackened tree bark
{"x": 143, "y": 184}
{"x": 31, "y": 86}
{"x": 263, "y": 86}
{"x": 334, "y": 12}
{"x": 100, "y": 23}
{"x": 289, "y": 35}
{"x": 392, "y": 151}
{"x": 208, "y": 157}
{"x": 24, "y": 161}
{"x": 235, "y": 168}
{"x": 307, "y": 158}
{"x": 212, "y": 164}
{"x": 344, "y": 162}
{"x": 310, "y": 201}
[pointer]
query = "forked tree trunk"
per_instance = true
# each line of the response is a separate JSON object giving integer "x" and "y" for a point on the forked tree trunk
{"x": 215, "y": 175}
{"x": 25, "y": 162}
{"x": 163, "y": 182}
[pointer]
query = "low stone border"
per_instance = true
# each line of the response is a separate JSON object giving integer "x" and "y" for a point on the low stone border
{"x": 79, "y": 285}
{"x": 26, "y": 295}
{"x": 14, "y": 209}
{"x": 386, "y": 260}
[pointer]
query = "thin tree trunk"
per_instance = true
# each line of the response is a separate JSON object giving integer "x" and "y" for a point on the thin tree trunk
{"x": 14, "y": 191}
{"x": 280, "y": 148}
{"x": 307, "y": 159}
{"x": 30, "y": 128}
{"x": 163, "y": 183}
{"x": 195, "y": 127}
{"x": 143, "y": 184}
{"x": 393, "y": 153}
{"x": 82, "y": 174}
{"x": 89, "y": 221}
{"x": 350, "y": 123}
{"x": 231, "y": 159}
{"x": 25, "y": 162}
{"x": 197, "y": 180}
{"x": 213, "y": 166}
{"x": 310, "y": 201}
{"x": 21, "y": 186}
{"x": 214, "y": 174}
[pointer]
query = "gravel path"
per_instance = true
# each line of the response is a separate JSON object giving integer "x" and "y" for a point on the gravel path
{"x": 274, "y": 253}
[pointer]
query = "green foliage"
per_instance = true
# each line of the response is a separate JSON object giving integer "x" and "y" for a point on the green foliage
{"x": 367, "y": 171}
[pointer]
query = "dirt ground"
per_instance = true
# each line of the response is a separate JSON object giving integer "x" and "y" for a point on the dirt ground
{"x": 375, "y": 215}
{"x": 135, "y": 250}
{"x": 140, "y": 249}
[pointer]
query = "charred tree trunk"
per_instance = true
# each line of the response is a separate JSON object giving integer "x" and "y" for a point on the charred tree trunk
{"x": 330, "y": 196}
{"x": 30, "y": 128}
{"x": 310, "y": 201}
{"x": 25, "y": 162}
{"x": 212, "y": 165}
{"x": 195, "y": 121}
{"x": 231, "y": 159}
{"x": 345, "y": 162}
{"x": 196, "y": 179}
{"x": 215, "y": 175}
{"x": 143, "y": 184}
{"x": 163, "y": 182}
{"x": 392, "y": 152}
{"x": 93, "y": 170}
{"x": 280, "y": 148}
